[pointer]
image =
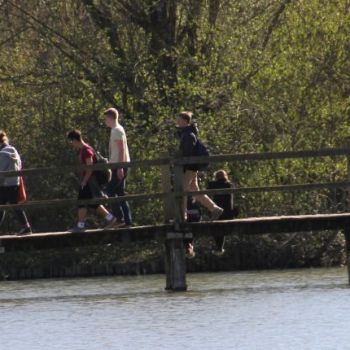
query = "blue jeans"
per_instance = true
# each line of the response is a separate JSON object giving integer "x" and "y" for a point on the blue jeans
{"x": 116, "y": 188}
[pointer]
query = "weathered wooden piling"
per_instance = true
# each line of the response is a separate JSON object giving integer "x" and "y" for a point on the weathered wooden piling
{"x": 175, "y": 259}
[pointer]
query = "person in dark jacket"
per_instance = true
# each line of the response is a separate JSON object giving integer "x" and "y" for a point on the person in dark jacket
{"x": 188, "y": 140}
{"x": 226, "y": 202}
{"x": 9, "y": 186}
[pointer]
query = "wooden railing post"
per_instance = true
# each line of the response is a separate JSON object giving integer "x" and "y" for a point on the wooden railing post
{"x": 347, "y": 208}
{"x": 167, "y": 188}
{"x": 175, "y": 259}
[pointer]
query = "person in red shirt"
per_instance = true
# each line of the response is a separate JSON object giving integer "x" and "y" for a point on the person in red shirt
{"x": 89, "y": 187}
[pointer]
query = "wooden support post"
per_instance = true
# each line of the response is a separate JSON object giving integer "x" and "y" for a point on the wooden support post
{"x": 178, "y": 199}
{"x": 166, "y": 187}
{"x": 175, "y": 262}
{"x": 175, "y": 259}
{"x": 347, "y": 248}
{"x": 346, "y": 207}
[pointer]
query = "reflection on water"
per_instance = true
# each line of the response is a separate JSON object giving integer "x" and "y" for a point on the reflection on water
{"x": 297, "y": 309}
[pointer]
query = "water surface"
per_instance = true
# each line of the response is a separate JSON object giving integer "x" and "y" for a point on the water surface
{"x": 295, "y": 309}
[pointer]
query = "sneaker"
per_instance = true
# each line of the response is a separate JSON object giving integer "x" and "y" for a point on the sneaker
{"x": 110, "y": 223}
{"x": 77, "y": 229}
{"x": 119, "y": 224}
{"x": 25, "y": 231}
{"x": 218, "y": 252}
{"x": 190, "y": 253}
{"x": 216, "y": 213}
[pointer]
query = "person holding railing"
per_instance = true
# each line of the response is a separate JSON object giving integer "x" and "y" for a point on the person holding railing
{"x": 10, "y": 187}
{"x": 88, "y": 185}
{"x": 118, "y": 153}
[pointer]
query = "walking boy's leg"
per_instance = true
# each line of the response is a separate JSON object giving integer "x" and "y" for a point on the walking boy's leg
{"x": 110, "y": 218}
{"x": 3, "y": 201}
{"x": 186, "y": 184}
{"x": 204, "y": 200}
{"x": 12, "y": 198}
{"x": 112, "y": 192}
{"x": 124, "y": 205}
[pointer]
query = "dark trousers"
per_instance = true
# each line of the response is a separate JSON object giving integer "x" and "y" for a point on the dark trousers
{"x": 9, "y": 195}
{"x": 116, "y": 188}
{"x": 90, "y": 191}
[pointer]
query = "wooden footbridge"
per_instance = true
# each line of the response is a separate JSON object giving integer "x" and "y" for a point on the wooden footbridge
{"x": 174, "y": 231}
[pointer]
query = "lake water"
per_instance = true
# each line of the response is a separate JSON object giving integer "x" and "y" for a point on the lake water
{"x": 295, "y": 309}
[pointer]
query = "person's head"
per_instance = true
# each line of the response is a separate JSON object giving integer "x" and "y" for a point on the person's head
{"x": 75, "y": 139}
{"x": 111, "y": 117}
{"x": 221, "y": 175}
{"x": 3, "y": 138}
{"x": 184, "y": 119}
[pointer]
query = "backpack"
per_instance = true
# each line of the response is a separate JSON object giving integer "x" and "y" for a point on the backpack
{"x": 102, "y": 176}
{"x": 201, "y": 150}
{"x": 10, "y": 153}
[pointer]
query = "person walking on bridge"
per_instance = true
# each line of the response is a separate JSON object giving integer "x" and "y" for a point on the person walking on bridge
{"x": 10, "y": 186}
{"x": 188, "y": 146}
{"x": 88, "y": 185}
{"x": 118, "y": 153}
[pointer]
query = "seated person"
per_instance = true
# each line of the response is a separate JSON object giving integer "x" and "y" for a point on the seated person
{"x": 224, "y": 201}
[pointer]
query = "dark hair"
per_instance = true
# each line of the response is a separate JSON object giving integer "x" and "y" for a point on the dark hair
{"x": 186, "y": 116}
{"x": 74, "y": 135}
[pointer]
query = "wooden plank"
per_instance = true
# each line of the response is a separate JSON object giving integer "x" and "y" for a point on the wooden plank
{"x": 75, "y": 202}
{"x": 274, "y": 224}
{"x": 263, "y": 156}
{"x": 79, "y": 168}
{"x": 182, "y": 161}
{"x": 133, "y": 197}
{"x": 59, "y": 240}
{"x": 258, "y": 225}
{"x": 278, "y": 188}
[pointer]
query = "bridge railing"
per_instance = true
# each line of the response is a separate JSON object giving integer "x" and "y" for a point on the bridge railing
{"x": 172, "y": 168}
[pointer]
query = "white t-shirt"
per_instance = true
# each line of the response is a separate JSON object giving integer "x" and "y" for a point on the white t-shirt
{"x": 118, "y": 133}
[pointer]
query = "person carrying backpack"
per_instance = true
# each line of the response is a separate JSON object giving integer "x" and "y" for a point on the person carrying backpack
{"x": 89, "y": 187}
{"x": 225, "y": 201}
{"x": 191, "y": 146}
{"x": 10, "y": 186}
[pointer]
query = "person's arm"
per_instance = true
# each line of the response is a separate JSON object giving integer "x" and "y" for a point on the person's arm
{"x": 187, "y": 144}
{"x": 4, "y": 166}
{"x": 88, "y": 173}
{"x": 119, "y": 143}
{"x": 232, "y": 196}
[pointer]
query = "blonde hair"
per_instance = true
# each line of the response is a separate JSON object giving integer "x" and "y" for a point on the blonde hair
{"x": 3, "y": 137}
{"x": 186, "y": 116}
{"x": 221, "y": 175}
{"x": 112, "y": 112}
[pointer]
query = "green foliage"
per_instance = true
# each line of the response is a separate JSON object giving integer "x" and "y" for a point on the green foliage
{"x": 260, "y": 76}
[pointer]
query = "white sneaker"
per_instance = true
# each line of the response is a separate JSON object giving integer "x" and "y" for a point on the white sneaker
{"x": 77, "y": 229}
{"x": 218, "y": 252}
{"x": 110, "y": 223}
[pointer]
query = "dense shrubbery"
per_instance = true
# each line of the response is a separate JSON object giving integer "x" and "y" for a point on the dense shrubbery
{"x": 270, "y": 75}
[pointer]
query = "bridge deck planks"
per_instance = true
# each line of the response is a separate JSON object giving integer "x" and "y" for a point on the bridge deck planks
{"x": 256, "y": 225}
